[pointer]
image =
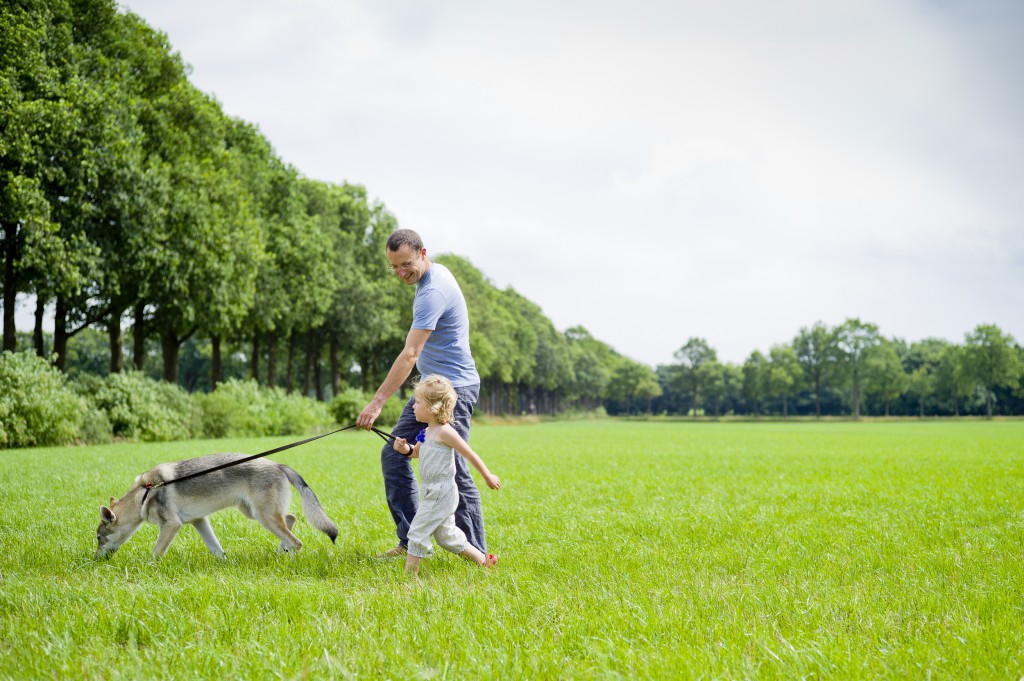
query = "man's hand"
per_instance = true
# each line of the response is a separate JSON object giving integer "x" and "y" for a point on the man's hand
{"x": 368, "y": 415}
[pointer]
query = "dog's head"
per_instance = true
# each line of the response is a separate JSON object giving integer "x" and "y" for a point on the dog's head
{"x": 117, "y": 525}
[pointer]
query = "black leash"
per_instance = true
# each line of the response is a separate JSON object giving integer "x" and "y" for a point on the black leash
{"x": 384, "y": 435}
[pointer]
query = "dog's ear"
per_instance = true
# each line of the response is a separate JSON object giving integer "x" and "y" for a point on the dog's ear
{"x": 106, "y": 515}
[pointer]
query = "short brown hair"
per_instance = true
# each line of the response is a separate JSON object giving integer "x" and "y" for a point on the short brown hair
{"x": 405, "y": 237}
{"x": 440, "y": 396}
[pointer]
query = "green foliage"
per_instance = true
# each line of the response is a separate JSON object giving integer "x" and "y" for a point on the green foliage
{"x": 245, "y": 409}
{"x": 347, "y": 405}
{"x": 991, "y": 360}
{"x": 36, "y": 406}
{"x": 96, "y": 428}
{"x": 140, "y": 408}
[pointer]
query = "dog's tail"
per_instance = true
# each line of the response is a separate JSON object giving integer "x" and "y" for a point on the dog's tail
{"x": 311, "y": 508}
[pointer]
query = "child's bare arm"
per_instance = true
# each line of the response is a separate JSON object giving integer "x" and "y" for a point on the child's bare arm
{"x": 405, "y": 449}
{"x": 451, "y": 437}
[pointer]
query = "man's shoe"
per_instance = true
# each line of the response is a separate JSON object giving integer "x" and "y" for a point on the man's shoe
{"x": 393, "y": 552}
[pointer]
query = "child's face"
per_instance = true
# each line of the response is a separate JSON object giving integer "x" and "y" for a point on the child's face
{"x": 422, "y": 411}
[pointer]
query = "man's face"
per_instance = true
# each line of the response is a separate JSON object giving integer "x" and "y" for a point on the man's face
{"x": 407, "y": 264}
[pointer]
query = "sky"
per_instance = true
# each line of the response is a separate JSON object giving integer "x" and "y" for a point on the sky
{"x": 732, "y": 170}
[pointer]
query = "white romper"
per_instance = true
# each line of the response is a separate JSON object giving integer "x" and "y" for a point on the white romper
{"x": 439, "y": 498}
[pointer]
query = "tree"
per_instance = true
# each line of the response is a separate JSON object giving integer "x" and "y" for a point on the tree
{"x": 784, "y": 374}
{"x": 695, "y": 368}
{"x": 921, "y": 384}
{"x": 723, "y": 385}
{"x": 45, "y": 153}
{"x": 951, "y": 378}
{"x": 883, "y": 373}
{"x": 921, "y": 363}
{"x": 817, "y": 352}
{"x": 630, "y": 381}
{"x": 755, "y": 379}
{"x": 855, "y": 339}
{"x": 591, "y": 367}
{"x": 991, "y": 360}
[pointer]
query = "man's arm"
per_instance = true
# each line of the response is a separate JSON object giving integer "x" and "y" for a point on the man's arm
{"x": 400, "y": 370}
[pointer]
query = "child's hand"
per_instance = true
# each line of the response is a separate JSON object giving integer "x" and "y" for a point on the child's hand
{"x": 493, "y": 481}
{"x": 401, "y": 446}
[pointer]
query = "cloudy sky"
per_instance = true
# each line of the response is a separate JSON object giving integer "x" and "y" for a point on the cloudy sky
{"x": 654, "y": 171}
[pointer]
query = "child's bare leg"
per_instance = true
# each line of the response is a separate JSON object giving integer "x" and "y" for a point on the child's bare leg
{"x": 412, "y": 565}
{"x": 473, "y": 554}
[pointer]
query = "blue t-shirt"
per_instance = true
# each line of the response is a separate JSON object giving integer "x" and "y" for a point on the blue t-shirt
{"x": 440, "y": 307}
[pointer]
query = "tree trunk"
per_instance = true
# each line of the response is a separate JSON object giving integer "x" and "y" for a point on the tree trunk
{"x": 988, "y": 402}
{"x": 116, "y": 340}
{"x": 817, "y": 398}
{"x": 289, "y": 379}
{"x": 364, "y": 373}
{"x": 37, "y": 330}
{"x": 214, "y": 362}
{"x": 170, "y": 345}
{"x": 60, "y": 333}
{"x": 307, "y": 365}
{"x": 335, "y": 367}
{"x": 139, "y": 336}
{"x": 856, "y": 396}
{"x": 254, "y": 361}
{"x": 272, "y": 359}
{"x": 10, "y": 286}
{"x": 317, "y": 371}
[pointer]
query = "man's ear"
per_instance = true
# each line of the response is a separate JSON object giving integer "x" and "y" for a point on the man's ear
{"x": 106, "y": 515}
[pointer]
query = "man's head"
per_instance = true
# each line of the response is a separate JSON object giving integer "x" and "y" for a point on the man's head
{"x": 407, "y": 256}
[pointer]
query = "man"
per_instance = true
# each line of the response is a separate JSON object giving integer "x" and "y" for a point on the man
{"x": 437, "y": 343}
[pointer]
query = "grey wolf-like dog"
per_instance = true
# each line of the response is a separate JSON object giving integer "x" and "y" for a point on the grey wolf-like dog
{"x": 258, "y": 488}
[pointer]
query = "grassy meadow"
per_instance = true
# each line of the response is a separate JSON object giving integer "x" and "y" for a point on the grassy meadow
{"x": 628, "y": 549}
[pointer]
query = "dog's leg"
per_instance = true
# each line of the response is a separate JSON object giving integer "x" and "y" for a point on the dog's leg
{"x": 290, "y": 521}
{"x": 168, "y": 529}
{"x": 205, "y": 530}
{"x": 276, "y": 523}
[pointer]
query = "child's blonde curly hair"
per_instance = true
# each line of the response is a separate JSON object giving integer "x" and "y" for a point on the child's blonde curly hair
{"x": 439, "y": 394}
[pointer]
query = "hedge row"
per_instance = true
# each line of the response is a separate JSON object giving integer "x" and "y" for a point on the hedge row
{"x": 39, "y": 407}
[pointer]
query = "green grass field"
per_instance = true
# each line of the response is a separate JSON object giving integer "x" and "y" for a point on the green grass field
{"x": 628, "y": 549}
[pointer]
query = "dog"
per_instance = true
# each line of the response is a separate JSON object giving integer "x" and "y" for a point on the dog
{"x": 258, "y": 488}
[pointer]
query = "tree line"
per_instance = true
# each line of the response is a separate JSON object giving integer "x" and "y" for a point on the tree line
{"x": 169, "y": 238}
{"x": 851, "y": 369}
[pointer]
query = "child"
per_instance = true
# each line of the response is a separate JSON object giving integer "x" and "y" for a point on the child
{"x": 435, "y": 401}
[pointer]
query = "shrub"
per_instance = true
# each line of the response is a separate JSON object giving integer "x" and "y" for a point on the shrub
{"x": 37, "y": 408}
{"x": 295, "y": 414}
{"x": 243, "y": 408}
{"x": 96, "y": 428}
{"x": 140, "y": 408}
{"x": 234, "y": 409}
{"x": 347, "y": 405}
